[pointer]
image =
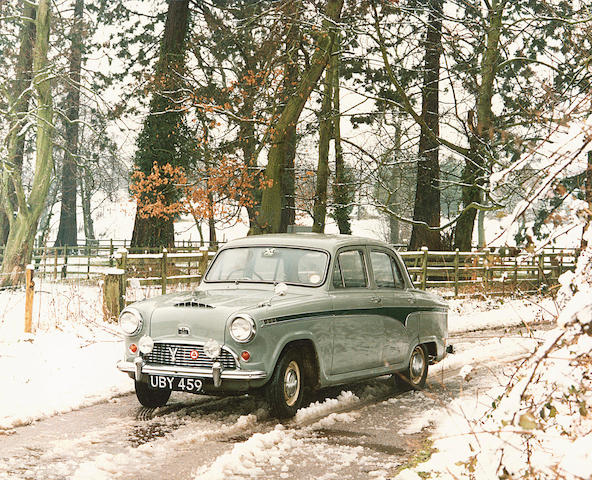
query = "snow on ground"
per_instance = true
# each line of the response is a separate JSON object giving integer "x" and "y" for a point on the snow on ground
{"x": 70, "y": 360}
{"x": 468, "y": 314}
{"x": 68, "y": 363}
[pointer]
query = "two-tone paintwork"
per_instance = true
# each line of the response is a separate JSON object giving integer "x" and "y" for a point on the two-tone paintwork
{"x": 355, "y": 333}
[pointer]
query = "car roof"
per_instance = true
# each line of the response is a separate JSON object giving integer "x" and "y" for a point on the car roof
{"x": 310, "y": 240}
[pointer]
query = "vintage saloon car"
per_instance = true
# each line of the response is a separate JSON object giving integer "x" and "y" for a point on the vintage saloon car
{"x": 278, "y": 313}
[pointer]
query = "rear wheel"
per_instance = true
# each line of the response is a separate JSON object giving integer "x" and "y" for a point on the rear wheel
{"x": 285, "y": 390}
{"x": 151, "y": 398}
{"x": 415, "y": 375}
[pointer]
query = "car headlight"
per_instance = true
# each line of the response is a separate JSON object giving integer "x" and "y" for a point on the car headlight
{"x": 242, "y": 328}
{"x": 130, "y": 321}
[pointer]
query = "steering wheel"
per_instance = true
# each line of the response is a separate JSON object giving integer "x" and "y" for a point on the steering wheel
{"x": 254, "y": 274}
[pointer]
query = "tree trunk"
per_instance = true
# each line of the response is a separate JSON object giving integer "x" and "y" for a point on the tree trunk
{"x": 160, "y": 140}
{"x": 395, "y": 187}
{"x": 45, "y": 220}
{"x": 481, "y": 240}
{"x": 248, "y": 146}
{"x": 212, "y": 223}
{"x": 475, "y": 170}
{"x": 427, "y": 193}
{"x": 85, "y": 196}
{"x": 341, "y": 189}
{"x": 291, "y": 22}
{"x": 4, "y": 228}
{"x": 470, "y": 193}
{"x": 67, "y": 231}
{"x": 271, "y": 204}
{"x": 23, "y": 227}
{"x": 588, "y": 198}
{"x": 153, "y": 232}
{"x": 325, "y": 132}
{"x": 20, "y": 108}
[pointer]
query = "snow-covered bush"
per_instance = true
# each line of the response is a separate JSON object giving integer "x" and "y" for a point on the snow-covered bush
{"x": 538, "y": 425}
{"x": 541, "y": 425}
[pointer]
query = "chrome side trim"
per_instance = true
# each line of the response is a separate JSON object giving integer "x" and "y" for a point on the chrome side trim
{"x": 130, "y": 367}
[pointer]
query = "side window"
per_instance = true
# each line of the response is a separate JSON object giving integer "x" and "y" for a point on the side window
{"x": 337, "y": 280}
{"x": 382, "y": 266}
{"x": 399, "y": 282}
{"x": 352, "y": 268}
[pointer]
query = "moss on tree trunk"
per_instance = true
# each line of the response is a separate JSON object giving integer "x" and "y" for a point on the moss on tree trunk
{"x": 23, "y": 226}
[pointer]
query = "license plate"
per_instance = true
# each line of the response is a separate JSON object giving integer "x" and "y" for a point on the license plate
{"x": 180, "y": 384}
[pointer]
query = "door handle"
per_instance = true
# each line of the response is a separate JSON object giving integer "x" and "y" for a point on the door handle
{"x": 375, "y": 299}
{"x": 411, "y": 299}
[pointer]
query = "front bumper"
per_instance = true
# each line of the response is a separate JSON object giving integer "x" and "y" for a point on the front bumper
{"x": 138, "y": 368}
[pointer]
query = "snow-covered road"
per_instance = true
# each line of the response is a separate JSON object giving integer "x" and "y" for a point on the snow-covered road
{"x": 359, "y": 431}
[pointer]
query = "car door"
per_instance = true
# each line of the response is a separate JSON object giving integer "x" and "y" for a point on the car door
{"x": 395, "y": 303}
{"x": 358, "y": 327}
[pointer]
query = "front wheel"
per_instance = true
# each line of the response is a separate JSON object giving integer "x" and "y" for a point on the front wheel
{"x": 285, "y": 390}
{"x": 415, "y": 375}
{"x": 151, "y": 398}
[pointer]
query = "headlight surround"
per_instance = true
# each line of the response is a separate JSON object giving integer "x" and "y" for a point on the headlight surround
{"x": 242, "y": 328}
{"x": 130, "y": 321}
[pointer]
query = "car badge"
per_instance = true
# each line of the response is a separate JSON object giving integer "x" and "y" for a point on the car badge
{"x": 173, "y": 352}
{"x": 194, "y": 354}
{"x": 183, "y": 330}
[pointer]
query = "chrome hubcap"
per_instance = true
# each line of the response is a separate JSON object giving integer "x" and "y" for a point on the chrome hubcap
{"x": 417, "y": 365}
{"x": 292, "y": 383}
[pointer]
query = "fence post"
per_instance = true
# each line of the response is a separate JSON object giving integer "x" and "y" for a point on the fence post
{"x": 88, "y": 264}
{"x": 55, "y": 263}
{"x": 540, "y": 271}
{"x": 30, "y": 293}
{"x": 45, "y": 261}
{"x": 65, "y": 265}
{"x": 515, "y": 271}
{"x": 122, "y": 264}
{"x": 163, "y": 271}
{"x": 424, "y": 268}
{"x": 203, "y": 262}
{"x": 113, "y": 294}
{"x": 111, "y": 252}
{"x": 456, "y": 264}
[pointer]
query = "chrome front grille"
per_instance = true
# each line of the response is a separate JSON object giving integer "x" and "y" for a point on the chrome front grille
{"x": 179, "y": 355}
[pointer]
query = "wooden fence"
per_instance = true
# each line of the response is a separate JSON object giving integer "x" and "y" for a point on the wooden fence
{"x": 495, "y": 272}
{"x": 93, "y": 260}
{"x": 492, "y": 272}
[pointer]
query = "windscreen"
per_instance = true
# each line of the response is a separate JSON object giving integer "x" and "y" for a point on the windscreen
{"x": 269, "y": 265}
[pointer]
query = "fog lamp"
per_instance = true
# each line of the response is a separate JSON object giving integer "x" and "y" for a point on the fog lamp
{"x": 146, "y": 344}
{"x": 212, "y": 348}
